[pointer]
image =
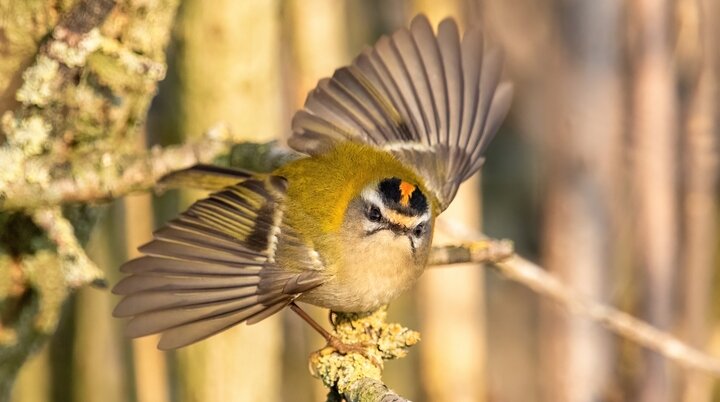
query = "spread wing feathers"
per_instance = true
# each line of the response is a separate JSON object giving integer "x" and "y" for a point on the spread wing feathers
{"x": 214, "y": 267}
{"x": 424, "y": 97}
{"x": 204, "y": 177}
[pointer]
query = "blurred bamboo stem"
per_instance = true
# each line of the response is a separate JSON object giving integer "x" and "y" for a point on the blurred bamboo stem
{"x": 655, "y": 152}
{"x": 582, "y": 152}
{"x": 700, "y": 190}
{"x": 150, "y": 369}
{"x": 228, "y": 66}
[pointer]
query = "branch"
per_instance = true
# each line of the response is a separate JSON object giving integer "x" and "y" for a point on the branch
{"x": 500, "y": 256}
{"x": 369, "y": 389}
{"x": 358, "y": 377}
{"x": 516, "y": 268}
{"x": 115, "y": 178}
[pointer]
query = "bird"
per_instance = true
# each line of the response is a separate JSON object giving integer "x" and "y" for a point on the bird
{"x": 348, "y": 226}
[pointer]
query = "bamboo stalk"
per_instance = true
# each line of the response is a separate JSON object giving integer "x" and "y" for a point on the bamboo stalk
{"x": 582, "y": 148}
{"x": 700, "y": 188}
{"x": 150, "y": 368}
{"x": 654, "y": 151}
{"x": 229, "y": 70}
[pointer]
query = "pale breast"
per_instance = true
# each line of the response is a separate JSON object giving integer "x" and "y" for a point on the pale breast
{"x": 369, "y": 275}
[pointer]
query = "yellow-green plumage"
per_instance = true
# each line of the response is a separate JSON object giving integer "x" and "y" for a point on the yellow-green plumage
{"x": 388, "y": 141}
{"x": 321, "y": 187}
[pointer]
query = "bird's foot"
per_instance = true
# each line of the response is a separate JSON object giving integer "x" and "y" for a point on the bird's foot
{"x": 362, "y": 348}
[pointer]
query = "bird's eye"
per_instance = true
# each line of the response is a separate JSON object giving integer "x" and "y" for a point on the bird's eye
{"x": 374, "y": 214}
{"x": 419, "y": 230}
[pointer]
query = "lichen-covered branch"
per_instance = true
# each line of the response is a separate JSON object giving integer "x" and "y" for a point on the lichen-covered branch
{"x": 76, "y": 80}
{"x": 371, "y": 390}
{"x": 114, "y": 177}
{"x": 358, "y": 377}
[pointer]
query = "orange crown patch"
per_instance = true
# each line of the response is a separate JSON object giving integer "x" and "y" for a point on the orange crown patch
{"x": 406, "y": 190}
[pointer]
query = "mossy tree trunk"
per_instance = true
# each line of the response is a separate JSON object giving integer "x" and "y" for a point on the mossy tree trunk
{"x": 76, "y": 80}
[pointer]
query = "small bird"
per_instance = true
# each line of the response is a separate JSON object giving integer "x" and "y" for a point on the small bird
{"x": 388, "y": 140}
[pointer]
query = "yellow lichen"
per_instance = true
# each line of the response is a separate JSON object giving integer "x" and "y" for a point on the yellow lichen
{"x": 76, "y": 54}
{"x": 36, "y": 172}
{"x": 43, "y": 274}
{"x": 11, "y": 160}
{"x": 76, "y": 267}
{"x": 27, "y": 134}
{"x": 386, "y": 341}
{"x": 38, "y": 82}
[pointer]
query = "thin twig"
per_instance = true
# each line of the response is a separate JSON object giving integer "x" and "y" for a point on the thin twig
{"x": 516, "y": 268}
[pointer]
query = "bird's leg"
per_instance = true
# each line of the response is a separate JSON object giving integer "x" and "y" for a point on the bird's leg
{"x": 332, "y": 340}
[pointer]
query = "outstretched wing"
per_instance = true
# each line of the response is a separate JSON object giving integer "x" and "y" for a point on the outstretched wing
{"x": 214, "y": 267}
{"x": 435, "y": 101}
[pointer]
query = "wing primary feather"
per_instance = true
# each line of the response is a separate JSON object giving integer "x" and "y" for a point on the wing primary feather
{"x": 449, "y": 44}
{"x": 496, "y": 115}
{"x": 213, "y": 266}
{"x": 433, "y": 100}
{"x": 172, "y": 301}
{"x": 171, "y": 266}
{"x": 489, "y": 79}
{"x": 374, "y": 77}
{"x": 426, "y": 45}
{"x": 386, "y": 58}
{"x": 354, "y": 85}
{"x": 195, "y": 331}
{"x": 410, "y": 73}
{"x": 471, "y": 63}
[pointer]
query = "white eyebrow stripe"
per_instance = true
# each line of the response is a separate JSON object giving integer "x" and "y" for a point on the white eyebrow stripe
{"x": 373, "y": 197}
{"x": 370, "y": 195}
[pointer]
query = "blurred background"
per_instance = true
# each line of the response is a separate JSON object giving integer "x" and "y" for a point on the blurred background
{"x": 605, "y": 173}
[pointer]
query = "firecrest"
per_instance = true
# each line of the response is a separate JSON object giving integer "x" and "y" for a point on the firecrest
{"x": 388, "y": 140}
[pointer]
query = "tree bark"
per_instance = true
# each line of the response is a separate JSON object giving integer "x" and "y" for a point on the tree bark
{"x": 74, "y": 86}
